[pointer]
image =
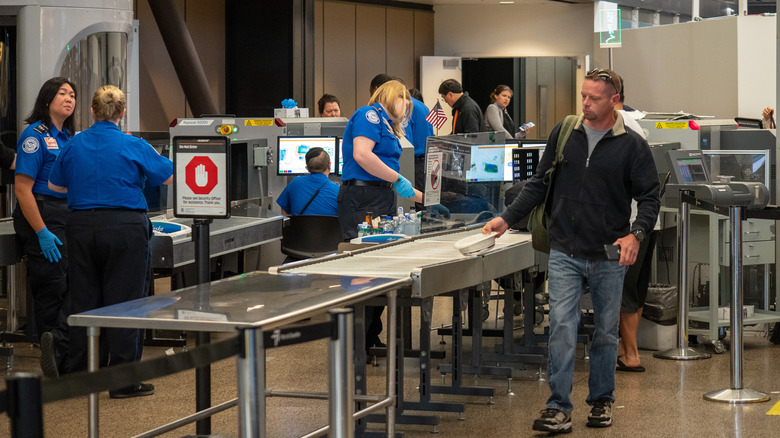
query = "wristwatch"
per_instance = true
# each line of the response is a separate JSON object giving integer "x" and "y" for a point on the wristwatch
{"x": 639, "y": 234}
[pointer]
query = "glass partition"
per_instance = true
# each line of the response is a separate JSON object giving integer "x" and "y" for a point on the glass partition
{"x": 98, "y": 59}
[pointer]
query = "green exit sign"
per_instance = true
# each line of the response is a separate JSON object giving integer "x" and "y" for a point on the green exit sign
{"x": 610, "y": 35}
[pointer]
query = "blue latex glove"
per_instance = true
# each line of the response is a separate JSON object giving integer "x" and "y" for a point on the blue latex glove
{"x": 404, "y": 187}
{"x": 440, "y": 210}
{"x": 49, "y": 243}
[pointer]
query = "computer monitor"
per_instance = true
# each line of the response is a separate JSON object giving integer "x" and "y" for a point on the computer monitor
{"x": 291, "y": 153}
{"x": 688, "y": 166}
{"x": 341, "y": 157}
{"x": 525, "y": 160}
{"x": 488, "y": 163}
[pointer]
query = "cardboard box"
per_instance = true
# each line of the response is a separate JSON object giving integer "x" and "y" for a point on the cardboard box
{"x": 652, "y": 336}
{"x": 724, "y": 313}
{"x": 285, "y": 113}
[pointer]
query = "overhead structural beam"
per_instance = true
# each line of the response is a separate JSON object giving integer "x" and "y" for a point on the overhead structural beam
{"x": 184, "y": 57}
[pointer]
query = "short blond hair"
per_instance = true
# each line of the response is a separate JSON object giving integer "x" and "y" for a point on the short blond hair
{"x": 386, "y": 95}
{"x": 108, "y": 103}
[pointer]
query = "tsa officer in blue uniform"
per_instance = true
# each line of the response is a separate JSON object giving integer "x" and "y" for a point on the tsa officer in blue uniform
{"x": 312, "y": 194}
{"x": 419, "y": 131}
{"x": 103, "y": 171}
{"x": 372, "y": 170}
{"x": 40, "y": 213}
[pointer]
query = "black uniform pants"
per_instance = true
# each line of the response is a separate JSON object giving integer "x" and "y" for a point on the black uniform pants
{"x": 47, "y": 281}
{"x": 109, "y": 253}
{"x": 353, "y": 202}
{"x": 419, "y": 177}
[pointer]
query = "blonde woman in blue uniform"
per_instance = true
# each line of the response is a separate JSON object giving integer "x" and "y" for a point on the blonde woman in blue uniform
{"x": 103, "y": 171}
{"x": 40, "y": 213}
{"x": 371, "y": 174}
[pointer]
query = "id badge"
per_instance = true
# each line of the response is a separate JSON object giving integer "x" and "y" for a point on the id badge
{"x": 51, "y": 143}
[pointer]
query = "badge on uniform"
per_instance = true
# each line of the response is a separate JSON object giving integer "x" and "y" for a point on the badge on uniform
{"x": 51, "y": 143}
{"x": 30, "y": 145}
{"x": 372, "y": 117}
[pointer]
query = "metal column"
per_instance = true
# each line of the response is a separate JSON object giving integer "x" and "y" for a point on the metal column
{"x": 341, "y": 375}
{"x": 93, "y": 363}
{"x": 682, "y": 352}
{"x": 251, "y": 388}
{"x": 736, "y": 394}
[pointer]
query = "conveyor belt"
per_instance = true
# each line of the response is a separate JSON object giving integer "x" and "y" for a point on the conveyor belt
{"x": 432, "y": 261}
{"x": 225, "y": 236}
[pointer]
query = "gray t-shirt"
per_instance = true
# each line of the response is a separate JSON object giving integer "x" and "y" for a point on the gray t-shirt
{"x": 594, "y": 135}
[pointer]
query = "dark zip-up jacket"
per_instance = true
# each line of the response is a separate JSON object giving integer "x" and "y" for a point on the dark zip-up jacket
{"x": 591, "y": 199}
{"x": 469, "y": 115}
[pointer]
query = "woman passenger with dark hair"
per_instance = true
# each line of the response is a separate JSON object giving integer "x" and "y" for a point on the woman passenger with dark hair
{"x": 497, "y": 116}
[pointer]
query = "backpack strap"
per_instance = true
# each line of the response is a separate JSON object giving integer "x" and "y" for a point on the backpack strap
{"x": 312, "y": 198}
{"x": 568, "y": 125}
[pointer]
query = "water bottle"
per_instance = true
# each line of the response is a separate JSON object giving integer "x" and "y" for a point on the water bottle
{"x": 418, "y": 223}
{"x": 363, "y": 229}
{"x": 387, "y": 225}
{"x": 408, "y": 225}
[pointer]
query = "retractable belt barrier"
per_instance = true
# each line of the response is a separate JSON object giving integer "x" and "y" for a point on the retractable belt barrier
{"x": 85, "y": 383}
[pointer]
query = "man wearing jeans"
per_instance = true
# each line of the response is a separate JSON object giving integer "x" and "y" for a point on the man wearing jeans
{"x": 604, "y": 167}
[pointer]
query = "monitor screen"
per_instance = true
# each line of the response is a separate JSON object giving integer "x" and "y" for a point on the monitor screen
{"x": 489, "y": 163}
{"x": 525, "y": 160}
{"x": 291, "y": 153}
{"x": 692, "y": 170}
{"x": 341, "y": 156}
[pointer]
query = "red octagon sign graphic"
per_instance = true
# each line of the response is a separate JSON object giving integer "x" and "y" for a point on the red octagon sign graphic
{"x": 191, "y": 173}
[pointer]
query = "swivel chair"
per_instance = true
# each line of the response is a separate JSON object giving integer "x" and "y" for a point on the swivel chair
{"x": 310, "y": 236}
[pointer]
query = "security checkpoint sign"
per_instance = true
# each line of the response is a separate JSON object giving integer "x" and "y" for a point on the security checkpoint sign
{"x": 433, "y": 178}
{"x": 200, "y": 185}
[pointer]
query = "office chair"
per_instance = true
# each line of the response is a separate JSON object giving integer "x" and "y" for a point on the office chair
{"x": 310, "y": 236}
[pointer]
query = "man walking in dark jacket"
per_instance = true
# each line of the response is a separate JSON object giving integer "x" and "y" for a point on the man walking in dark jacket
{"x": 466, "y": 115}
{"x": 604, "y": 166}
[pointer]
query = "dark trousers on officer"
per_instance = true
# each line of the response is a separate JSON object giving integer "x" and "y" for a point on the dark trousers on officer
{"x": 109, "y": 255}
{"x": 47, "y": 281}
{"x": 354, "y": 200}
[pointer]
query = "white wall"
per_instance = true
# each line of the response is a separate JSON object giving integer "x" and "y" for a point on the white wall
{"x": 549, "y": 29}
{"x": 721, "y": 67}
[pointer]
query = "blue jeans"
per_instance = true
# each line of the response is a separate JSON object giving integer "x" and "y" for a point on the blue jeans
{"x": 567, "y": 279}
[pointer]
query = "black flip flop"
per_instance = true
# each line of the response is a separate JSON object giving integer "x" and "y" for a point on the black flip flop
{"x": 623, "y": 367}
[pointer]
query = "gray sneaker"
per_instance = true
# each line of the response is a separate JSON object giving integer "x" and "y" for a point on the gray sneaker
{"x": 48, "y": 356}
{"x": 600, "y": 413}
{"x": 553, "y": 420}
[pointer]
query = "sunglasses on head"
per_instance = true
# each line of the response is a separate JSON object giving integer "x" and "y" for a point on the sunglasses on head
{"x": 601, "y": 73}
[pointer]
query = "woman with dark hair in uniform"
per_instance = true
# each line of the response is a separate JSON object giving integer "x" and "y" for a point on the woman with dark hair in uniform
{"x": 103, "y": 171}
{"x": 372, "y": 170}
{"x": 40, "y": 213}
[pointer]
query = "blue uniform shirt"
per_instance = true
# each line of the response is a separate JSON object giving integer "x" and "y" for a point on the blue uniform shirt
{"x": 298, "y": 192}
{"x": 371, "y": 122}
{"x": 105, "y": 168}
{"x": 36, "y": 150}
{"x": 419, "y": 129}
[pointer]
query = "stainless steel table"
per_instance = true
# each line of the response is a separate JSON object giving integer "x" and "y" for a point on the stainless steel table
{"x": 258, "y": 300}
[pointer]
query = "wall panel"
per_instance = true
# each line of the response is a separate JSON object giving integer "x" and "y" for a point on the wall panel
{"x": 423, "y": 42}
{"x": 370, "y": 53}
{"x": 400, "y": 44}
{"x": 339, "y": 52}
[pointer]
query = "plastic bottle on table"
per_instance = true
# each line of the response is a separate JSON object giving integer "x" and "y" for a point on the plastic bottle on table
{"x": 387, "y": 225}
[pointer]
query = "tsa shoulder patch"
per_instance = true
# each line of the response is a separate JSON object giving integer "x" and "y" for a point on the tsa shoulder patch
{"x": 372, "y": 117}
{"x": 30, "y": 145}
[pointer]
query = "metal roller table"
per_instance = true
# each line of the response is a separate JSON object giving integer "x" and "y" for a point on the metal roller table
{"x": 258, "y": 301}
{"x": 436, "y": 268}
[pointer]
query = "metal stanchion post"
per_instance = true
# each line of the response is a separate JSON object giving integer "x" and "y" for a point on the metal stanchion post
{"x": 200, "y": 237}
{"x": 93, "y": 363}
{"x": 341, "y": 375}
{"x": 392, "y": 352}
{"x": 251, "y": 385}
{"x": 25, "y": 407}
{"x": 682, "y": 352}
{"x": 736, "y": 394}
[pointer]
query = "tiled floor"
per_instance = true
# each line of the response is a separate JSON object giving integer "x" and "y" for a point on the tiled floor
{"x": 665, "y": 401}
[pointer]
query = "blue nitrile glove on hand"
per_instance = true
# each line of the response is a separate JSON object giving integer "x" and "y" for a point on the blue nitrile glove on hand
{"x": 289, "y": 103}
{"x": 404, "y": 187}
{"x": 49, "y": 243}
{"x": 440, "y": 210}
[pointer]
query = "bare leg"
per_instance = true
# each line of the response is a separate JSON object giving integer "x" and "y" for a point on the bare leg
{"x": 629, "y": 323}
